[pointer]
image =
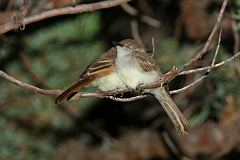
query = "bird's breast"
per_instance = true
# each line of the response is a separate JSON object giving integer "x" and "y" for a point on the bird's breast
{"x": 131, "y": 73}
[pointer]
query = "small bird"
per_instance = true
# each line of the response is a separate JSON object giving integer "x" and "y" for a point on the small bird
{"x": 101, "y": 73}
{"x": 136, "y": 67}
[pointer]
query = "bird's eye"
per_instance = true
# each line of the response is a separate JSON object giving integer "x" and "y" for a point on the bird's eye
{"x": 148, "y": 50}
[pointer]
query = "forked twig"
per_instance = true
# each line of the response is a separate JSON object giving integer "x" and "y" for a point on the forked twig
{"x": 208, "y": 71}
{"x": 209, "y": 40}
{"x": 217, "y": 65}
{"x": 144, "y": 18}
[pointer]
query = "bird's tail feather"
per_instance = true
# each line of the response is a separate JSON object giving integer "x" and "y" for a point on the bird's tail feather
{"x": 70, "y": 92}
{"x": 179, "y": 121}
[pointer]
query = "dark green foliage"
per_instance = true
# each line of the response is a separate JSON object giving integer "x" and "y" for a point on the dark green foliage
{"x": 224, "y": 83}
{"x": 58, "y": 53}
{"x": 171, "y": 54}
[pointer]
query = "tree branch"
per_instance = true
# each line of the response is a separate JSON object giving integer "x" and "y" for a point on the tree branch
{"x": 209, "y": 40}
{"x": 197, "y": 70}
{"x": 144, "y": 18}
{"x": 29, "y": 87}
{"x": 61, "y": 11}
{"x": 208, "y": 71}
{"x": 56, "y": 92}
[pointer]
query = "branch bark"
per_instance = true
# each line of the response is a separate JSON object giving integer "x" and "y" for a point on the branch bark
{"x": 61, "y": 11}
{"x": 208, "y": 71}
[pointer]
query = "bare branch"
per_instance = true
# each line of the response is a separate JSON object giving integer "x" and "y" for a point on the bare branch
{"x": 62, "y": 11}
{"x": 135, "y": 32}
{"x": 56, "y": 92}
{"x": 210, "y": 38}
{"x": 188, "y": 86}
{"x": 235, "y": 36}
{"x": 197, "y": 70}
{"x": 217, "y": 49}
{"x": 153, "y": 47}
{"x": 29, "y": 87}
{"x": 144, "y": 18}
{"x": 134, "y": 98}
{"x": 204, "y": 76}
{"x": 28, "y": 67}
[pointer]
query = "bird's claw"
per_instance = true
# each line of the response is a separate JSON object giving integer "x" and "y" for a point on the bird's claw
{"x": 139, "y": 88}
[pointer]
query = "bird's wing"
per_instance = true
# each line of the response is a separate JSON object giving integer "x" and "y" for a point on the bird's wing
{"x": 146, "y": 62}
{"x": 101, "y": 66}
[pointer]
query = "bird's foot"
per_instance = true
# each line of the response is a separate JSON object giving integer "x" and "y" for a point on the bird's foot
{"x": 139, "y": 88}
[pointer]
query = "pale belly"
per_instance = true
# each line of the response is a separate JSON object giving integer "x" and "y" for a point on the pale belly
{"x": 133, "y": 75}
{"x": 109, "y": 83}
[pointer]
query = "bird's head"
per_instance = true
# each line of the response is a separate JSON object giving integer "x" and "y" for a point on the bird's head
{"x": 128, "y": 46}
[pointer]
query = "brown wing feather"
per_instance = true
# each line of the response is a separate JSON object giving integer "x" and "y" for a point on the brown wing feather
{"x": 146, "y": 61}
{"x": 102, "y": 65}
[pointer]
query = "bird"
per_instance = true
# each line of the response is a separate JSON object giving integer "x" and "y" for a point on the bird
{"x": 101, "y": 74}
{"x": 136, "y": 67}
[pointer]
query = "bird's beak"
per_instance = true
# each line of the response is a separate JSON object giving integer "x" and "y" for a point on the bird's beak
{"x": 148, "y": 50}
{"x": 116, "y": 43}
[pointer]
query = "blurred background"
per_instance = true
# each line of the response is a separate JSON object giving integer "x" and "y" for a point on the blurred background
{"x": 53, "y": 53}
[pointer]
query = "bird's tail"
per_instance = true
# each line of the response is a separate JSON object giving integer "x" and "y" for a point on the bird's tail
{"x": 70, "y": 92}
{"x": 179, "y": 121}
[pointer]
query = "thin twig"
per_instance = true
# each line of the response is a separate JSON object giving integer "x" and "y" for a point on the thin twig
{"x": 135, "y": 32}
{"x": 208, "y": 71}
{"x": 28, "y": 67}
{"x": 62, "y": 11}
{"x": 209, "y": 40}
{"x": 29, "y": 87}
{"x": 197, "y": 70}
{"x": 130, "y": 99}
{"x": 166, "y": 78}
{"x": 236, "y": 42}
{"x": 235, "y": 35}
{"x": 144, "y": 18}
{"x": 103, "y": 95}
{"x": 153, "y": 47}
{"x": 217, "y": 49}
{"x": 188, "y": 86}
